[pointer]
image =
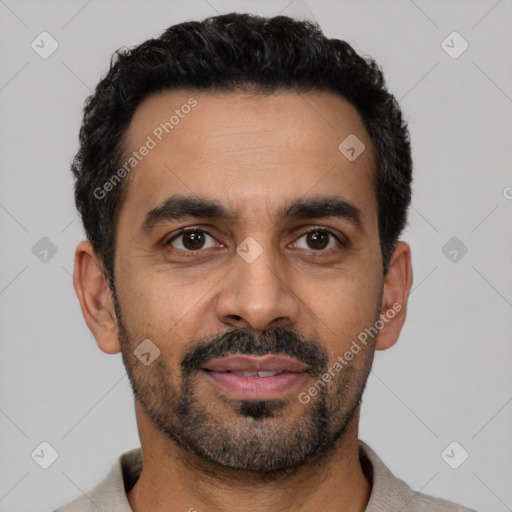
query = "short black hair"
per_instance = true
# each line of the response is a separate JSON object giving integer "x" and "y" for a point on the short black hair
{"x": 223, "y": 54}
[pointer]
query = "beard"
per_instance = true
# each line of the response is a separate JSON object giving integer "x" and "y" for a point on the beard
{"x": 261, "y": 437}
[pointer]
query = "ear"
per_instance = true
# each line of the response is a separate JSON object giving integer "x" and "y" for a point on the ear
{"x": 395, "y": 294}
{"x": 91, "y": 287}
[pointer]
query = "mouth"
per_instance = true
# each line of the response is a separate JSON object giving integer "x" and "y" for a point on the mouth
{"x": 261, "y": 373}
{"x": 255, "y": 377}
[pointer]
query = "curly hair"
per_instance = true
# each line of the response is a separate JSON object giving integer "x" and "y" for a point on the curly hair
{"x": 227, "y": 53}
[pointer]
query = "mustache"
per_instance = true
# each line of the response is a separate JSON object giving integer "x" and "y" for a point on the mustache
{"x": 277, "y": 341}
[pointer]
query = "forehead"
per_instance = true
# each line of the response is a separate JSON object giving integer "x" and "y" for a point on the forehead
{"x": 247, "y": 149}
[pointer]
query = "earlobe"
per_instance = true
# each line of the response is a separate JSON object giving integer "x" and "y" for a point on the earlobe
{"x": 91, "y": 287}
{"x": 395, "y": 295}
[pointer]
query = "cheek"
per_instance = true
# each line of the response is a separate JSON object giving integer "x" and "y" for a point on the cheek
{"x": 157, "y": 307}
{"x": 340, "y": 311}
{"x": 348, "y": 299}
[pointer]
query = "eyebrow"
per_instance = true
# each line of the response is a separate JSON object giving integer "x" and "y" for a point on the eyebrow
{"x": 178, "y": 207}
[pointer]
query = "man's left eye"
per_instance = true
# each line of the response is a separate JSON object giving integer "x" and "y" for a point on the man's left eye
{"x": 318, "y": 240}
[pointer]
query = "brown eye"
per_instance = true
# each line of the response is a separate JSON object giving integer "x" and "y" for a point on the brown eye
{"x": 192, "y": 241}
{"x": 318, "y": 240}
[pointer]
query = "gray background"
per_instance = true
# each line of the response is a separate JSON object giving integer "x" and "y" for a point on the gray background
{"x": 448, "y": 378}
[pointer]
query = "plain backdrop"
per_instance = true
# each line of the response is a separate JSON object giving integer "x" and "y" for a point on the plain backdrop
{"x": 447, "y": 380}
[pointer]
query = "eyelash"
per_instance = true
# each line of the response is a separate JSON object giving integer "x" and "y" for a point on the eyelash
{"x": 193, "y": 229}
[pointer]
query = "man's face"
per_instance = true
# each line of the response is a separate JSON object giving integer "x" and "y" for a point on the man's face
{"x": 280, "y": 262}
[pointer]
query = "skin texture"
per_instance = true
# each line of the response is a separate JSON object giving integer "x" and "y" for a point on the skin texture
{"x": 253, "y": 154}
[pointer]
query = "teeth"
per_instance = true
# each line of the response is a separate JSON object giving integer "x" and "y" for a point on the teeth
{"x": 259, "y": 374}
{"x": 267, "y": 374}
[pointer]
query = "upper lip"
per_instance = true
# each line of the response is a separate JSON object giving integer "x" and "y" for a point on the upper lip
{"x": 267, "y": 363}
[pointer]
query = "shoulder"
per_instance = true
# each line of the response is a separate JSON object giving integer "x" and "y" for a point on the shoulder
{"x": 110, "y": 493}
{"x": 423, "y": 503}
{"x": 390, "y": 493}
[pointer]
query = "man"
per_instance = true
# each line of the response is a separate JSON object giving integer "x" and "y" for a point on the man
{"x": 243, "y": 183}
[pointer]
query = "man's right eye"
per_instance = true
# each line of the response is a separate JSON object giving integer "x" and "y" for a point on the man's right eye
{"x": 193, "y": 240}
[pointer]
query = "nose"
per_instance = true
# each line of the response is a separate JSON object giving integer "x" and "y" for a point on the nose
{"x": 258, "y": 295}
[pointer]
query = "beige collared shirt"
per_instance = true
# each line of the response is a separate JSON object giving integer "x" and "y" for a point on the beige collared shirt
{"x": 389, "y": 493}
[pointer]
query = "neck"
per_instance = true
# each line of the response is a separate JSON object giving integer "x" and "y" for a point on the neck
{"x": 174, "y": 479}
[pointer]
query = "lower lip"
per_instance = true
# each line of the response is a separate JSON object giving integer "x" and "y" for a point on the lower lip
{"x": 257, "y": 388}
